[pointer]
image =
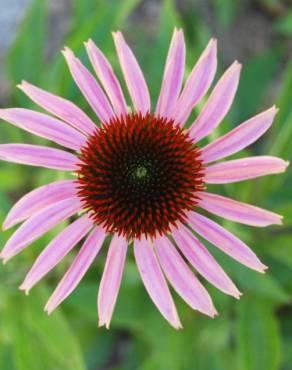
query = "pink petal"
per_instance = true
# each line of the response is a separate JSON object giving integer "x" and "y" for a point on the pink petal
{"x": 217, "y": 105}
{"x": 57, "y": 249}
{"x": 38, "y": 225}
{"x": 244, "y": 169}
{"x": 37, "y": 155}
{"x": 203, "y": 261}
{"x": 111, "y": 279}
{"x": 154, "y": 281}
{"x": 173, "y": 75}
{"x": 107, "y": 77}
{"x": 197, "y": 83}
{"x": 45, "y": 126}
{"x": 60, "y": 107}
{"x": 237, "y": 211}
{"x": 225, "y": 241}
{"x": 77, "y": 270}
{"x": 181, "y": 277}
{"x": 89, "y": 87}
{"x": 38, "y": 199}
{"x": 133, "y": 75}
{"x": 239, "y": 138}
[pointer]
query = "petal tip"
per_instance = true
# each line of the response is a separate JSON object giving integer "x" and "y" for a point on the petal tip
{"x": 24, "y": 287}
{"x": 5, "y": 226}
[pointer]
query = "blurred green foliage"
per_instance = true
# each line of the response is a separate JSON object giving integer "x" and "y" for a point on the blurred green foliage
{"x": 252, "y": 334}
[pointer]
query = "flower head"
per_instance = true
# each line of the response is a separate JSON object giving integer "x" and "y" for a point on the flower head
{"x": 141, "y": 177}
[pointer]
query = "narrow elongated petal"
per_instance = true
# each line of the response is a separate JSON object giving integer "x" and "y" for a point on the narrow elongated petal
{"x": 197, "y": 83}
{"x": 89, "y": 87}
{"x": 107, "y": 77}
{"x": 154, "y": 281}
{"x": 45, "y": 126}
{"x": 37, "y": 155}
{"x": 224, "y": 240}
{"x": 56, "y": 250}
{"x": 60, "y": 107}
{"x": 239, "y": 138}
{"x": 38, "y": 199}
{"x": 133, "y": 75}
{"x": 244, "y": 169}
{"x": 173, "y": 75}
{"x": 237, "y": 211}
{"x": 181, "y": 277}
{"x": 202, "y": 260}
{"x": 217, "y": 105}
{"x": 77, "y": 270}
{"x": 111, "y": 279}
{"x": 38, "y": 225}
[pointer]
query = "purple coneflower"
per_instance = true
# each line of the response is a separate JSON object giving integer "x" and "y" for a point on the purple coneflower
{"x": 141, "y": 177}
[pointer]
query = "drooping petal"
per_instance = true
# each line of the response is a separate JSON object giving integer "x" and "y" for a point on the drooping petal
{"x": 111, "y": 279}
{"x": 38, "y": 225}
{"x": 78, "y": 268}
{"x": 224, "y": 240}
{"x": 181, "y": 277}
{"x": 217, "y": 105}
{"x": 133, "y": 75}
{"x": 38, "y": 155}
{"x": 197, "y": 83}
{"x": 173, "y": 75}
{"x": 107, "y": 77}
{"x": 202, "y": 260}
{"x": 244, "y": 169}
{"x": 154, "y": 281}
{"x": 45, "y": 126}
{"x": 89, "y": 87}
{"x": 56, "y": 250}
{"x": 237, "y": 211}
{"x": 240, "y": 137}
{"x": 60, "y": 107}
{"x": 38, "y": 199}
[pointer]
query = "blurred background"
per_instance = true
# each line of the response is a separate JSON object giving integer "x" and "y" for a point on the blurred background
{"x": 254, "y": 333}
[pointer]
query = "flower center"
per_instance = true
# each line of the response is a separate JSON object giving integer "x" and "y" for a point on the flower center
{"x": 139, "y": 174}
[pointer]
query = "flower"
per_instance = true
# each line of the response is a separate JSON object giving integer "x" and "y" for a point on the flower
{"x": 141, "y": 177}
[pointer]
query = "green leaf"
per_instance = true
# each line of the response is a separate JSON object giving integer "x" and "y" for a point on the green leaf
{"x": 255, "y": 80}
{"x": 40, "y": 341}
{"x": 258, "y": 337}
{"x": 284, "y": 24}
{"x": 225, "y": 11}
{"x": 25, "y": 59}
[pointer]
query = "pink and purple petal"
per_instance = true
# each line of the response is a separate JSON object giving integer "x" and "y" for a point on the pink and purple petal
{"x": 240, "y": 137}
{"x": 155, "y": 282}
{"x": 56, "y": 250}
{"x": 133, "y": 75}
{"x": 111, "y": 279}
{"x": 202, "y": 260}
{"x": 225, "y": 240}
{"x": 173, "y": 75}
{"x": 236, "y": 211}
{"x": 38, "y": 199}
{"x": 45, "y": 126}
{"x": 40, "y": 156}
{"x": 107, "y": 77}
{"x": 182, "y": 278}
{"x": 217, "y": 105}
{"x": 197, "y": 83}
{"x": 244, "y": 169}
{"x": 39, "y": 224}
{"x": 59, "y": 107}
{"x": 77, "y": 270}
{"x": 89, "y": 87}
